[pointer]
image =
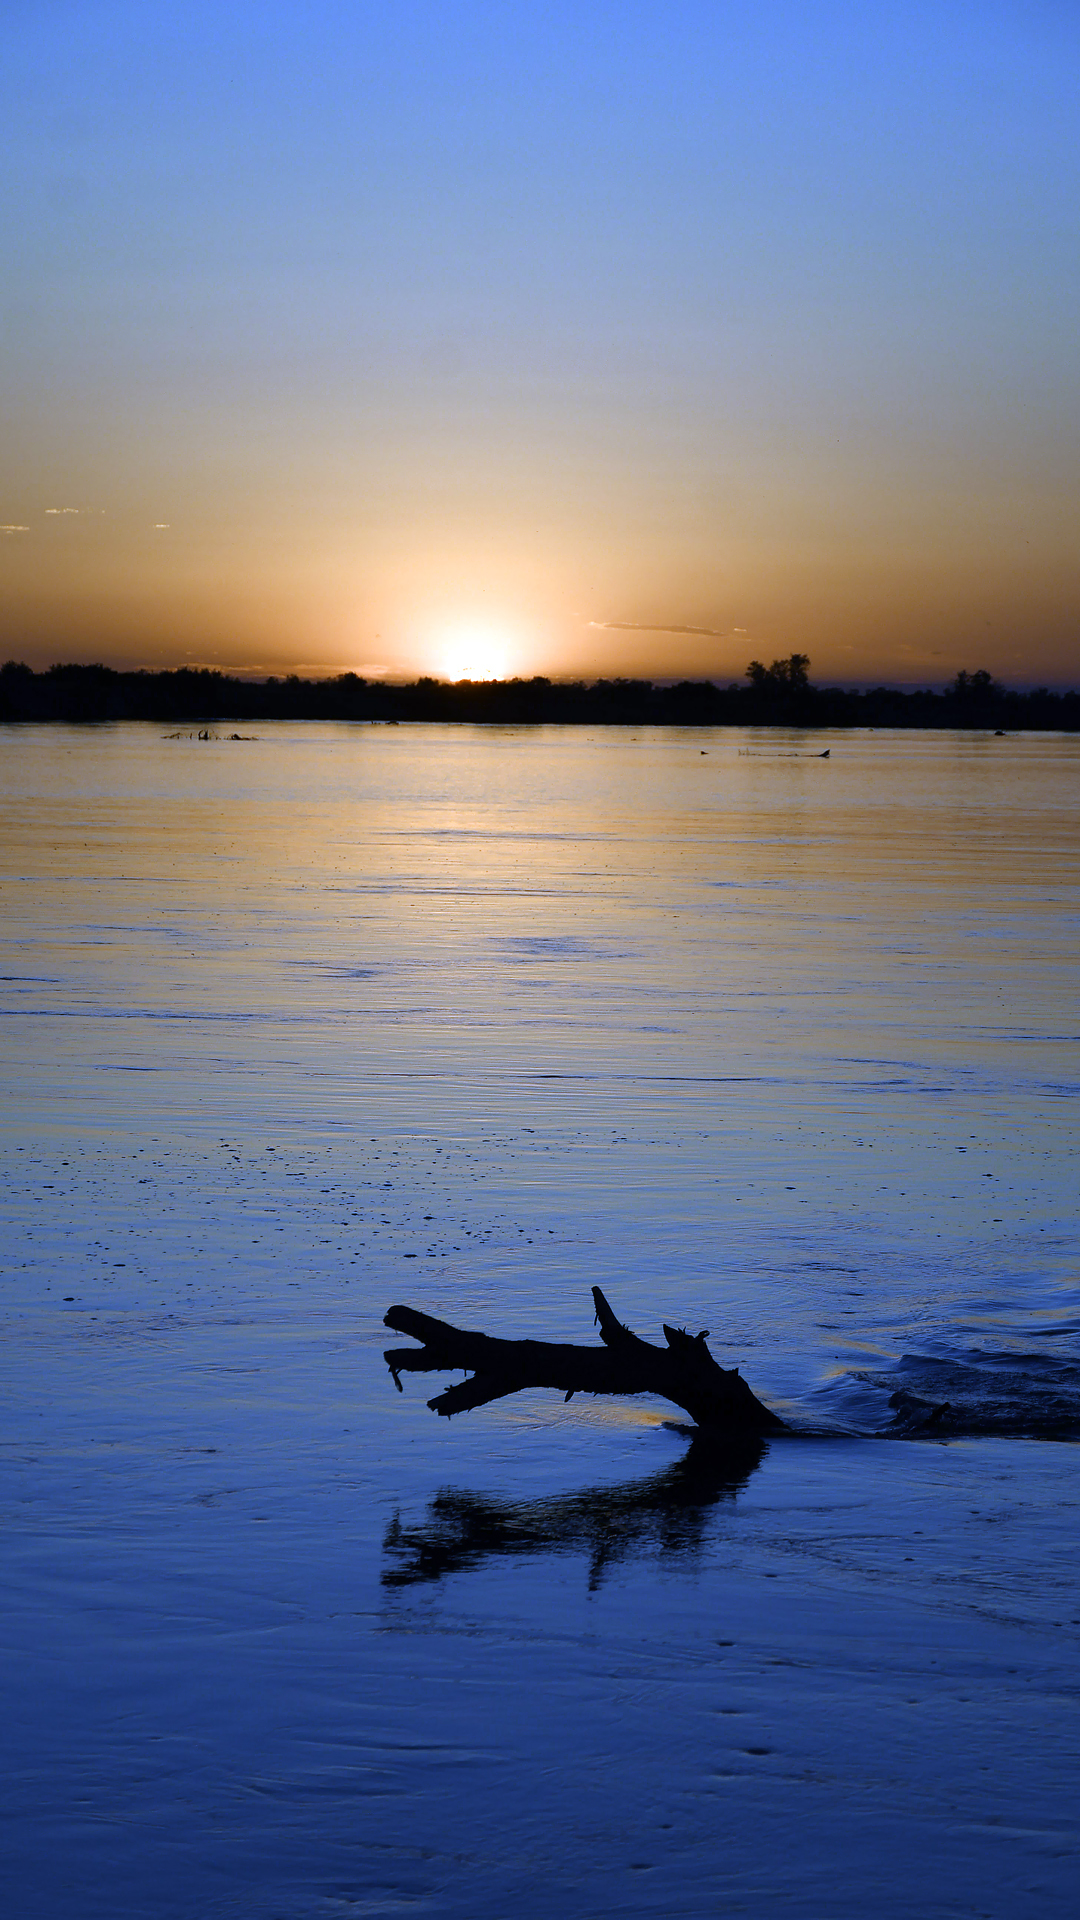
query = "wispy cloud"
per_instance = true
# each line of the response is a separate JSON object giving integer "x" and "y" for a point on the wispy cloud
{"x": 14, "y": 529}
{"x": 642, "y": 626}
{"x": 63, "y": 509}
{"x": 215, "y": 666}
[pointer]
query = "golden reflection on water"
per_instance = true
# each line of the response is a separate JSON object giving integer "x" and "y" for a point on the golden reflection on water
{"x": 806, "y": 1023}
{"x": 628, "y": 903}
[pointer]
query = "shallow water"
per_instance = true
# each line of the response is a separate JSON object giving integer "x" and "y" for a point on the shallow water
{"x": 779, "y": 1046}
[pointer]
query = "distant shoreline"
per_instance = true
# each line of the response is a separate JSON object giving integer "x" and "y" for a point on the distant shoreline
{"x": 88, "y": 693}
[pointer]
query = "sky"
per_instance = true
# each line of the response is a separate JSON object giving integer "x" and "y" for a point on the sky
{"x": 518, "y": 338}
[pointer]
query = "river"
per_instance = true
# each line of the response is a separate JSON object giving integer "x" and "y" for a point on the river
{"x": 770, "y": 1033}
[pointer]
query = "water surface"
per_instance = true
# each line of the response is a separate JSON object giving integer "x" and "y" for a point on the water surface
{"x": 779, "y": 1046}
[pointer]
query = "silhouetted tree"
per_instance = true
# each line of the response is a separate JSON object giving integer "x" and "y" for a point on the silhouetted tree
{"x": 978, "y": 686}
{"x": 777, "y": 695}
{"x": 783, "y": 677}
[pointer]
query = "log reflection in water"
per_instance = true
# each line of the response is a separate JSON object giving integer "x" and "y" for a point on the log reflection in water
{"x": 664, "y": 1514}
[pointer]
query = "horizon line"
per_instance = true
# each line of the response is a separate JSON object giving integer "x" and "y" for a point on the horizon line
{"x": 261, "y": 676}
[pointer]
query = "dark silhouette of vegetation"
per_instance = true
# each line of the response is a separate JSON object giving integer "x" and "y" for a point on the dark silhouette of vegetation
{"x": 778, "y": 695}
{"x": 784, "y": 686}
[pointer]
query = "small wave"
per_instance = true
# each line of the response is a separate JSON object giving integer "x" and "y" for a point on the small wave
{"x": 1026, "y": 1394}
{"x": 564, "y": 947}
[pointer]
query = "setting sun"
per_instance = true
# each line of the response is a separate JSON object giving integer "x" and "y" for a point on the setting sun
{"x": 475, "y": 655}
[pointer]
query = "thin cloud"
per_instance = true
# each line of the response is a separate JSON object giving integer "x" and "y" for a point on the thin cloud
{"x": 190, "y": 664}
{"x": 641, "y": 626}
{"x": 14, "y": 529}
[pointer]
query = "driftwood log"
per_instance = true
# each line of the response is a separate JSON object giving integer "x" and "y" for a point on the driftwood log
{"x": 717, "y": 1399}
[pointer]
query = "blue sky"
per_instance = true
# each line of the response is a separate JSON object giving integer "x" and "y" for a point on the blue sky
{"x": 370, "y": 337}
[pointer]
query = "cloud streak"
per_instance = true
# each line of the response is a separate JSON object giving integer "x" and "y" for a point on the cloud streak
{"x": 641, "y": 626}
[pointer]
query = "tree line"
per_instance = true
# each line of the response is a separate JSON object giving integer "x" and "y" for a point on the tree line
{"x": 781, "y": 694}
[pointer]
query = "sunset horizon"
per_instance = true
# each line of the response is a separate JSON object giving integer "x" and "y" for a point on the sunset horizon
{"x": 377, "y": 675}
{"x": 572, "y": 648}
{"x": 431, "y": 344}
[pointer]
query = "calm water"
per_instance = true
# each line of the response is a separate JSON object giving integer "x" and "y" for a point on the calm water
{"x": 780, "y": 1046}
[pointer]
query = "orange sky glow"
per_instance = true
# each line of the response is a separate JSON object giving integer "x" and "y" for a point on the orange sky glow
{"x": 331, "y": 345}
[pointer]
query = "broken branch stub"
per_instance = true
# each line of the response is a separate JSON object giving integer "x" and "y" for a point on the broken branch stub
{"x": 717, "y": 1399}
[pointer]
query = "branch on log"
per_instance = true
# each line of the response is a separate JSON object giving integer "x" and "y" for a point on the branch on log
{"x": 684, "y": 1372}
